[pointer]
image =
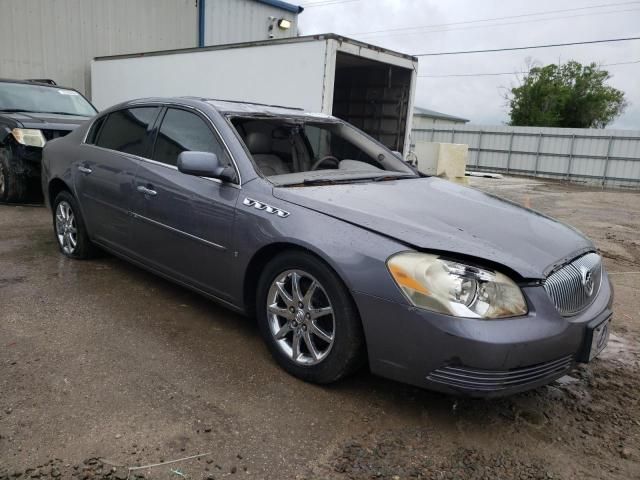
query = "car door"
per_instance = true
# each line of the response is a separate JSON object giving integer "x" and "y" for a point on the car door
{"x": 104, "y": 177}
{"x": 182, "y": 224}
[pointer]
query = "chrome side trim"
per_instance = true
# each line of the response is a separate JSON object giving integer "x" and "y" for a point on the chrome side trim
{"x": 138, "y": 261}
{"x": 250, "y": 202}
{"x": 179, "y": 232}
{"x": 471, "y": 379}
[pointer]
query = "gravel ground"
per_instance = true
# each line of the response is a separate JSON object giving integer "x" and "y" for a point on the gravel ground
{"x": 104, "y": 368}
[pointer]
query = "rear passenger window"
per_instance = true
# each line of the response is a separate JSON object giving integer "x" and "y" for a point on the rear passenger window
{"x": 185, "y": 131}
{"x": 95, "y": 128}
{"x": 126, "y": 130}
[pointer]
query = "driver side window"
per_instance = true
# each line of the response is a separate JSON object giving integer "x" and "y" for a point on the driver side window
{"x": 186, "y": 131}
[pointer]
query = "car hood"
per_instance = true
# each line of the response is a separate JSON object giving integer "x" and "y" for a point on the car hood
{"x": 434, "y": 214}
{"x": 47, "y": 121}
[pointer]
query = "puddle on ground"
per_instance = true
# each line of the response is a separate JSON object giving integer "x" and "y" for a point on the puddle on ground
{"x": 620, "y": 350}
{"x": 567, "y": 380}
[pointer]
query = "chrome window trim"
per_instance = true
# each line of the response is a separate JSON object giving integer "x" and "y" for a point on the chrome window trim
{"x": 173, "y": 167}
{"x": 172, "y": 104}
{"x": 160, "y": 164}
{"x": 86, "y": 133}
{"x": 175, "y": 230}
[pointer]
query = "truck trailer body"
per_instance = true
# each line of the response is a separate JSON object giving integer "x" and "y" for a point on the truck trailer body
{"x": 367, "y": 86}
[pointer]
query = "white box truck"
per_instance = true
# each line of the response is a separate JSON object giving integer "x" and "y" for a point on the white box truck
{"x": 368, "y": 86}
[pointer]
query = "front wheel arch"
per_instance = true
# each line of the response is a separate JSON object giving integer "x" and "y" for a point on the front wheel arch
{"x": 348, "y": 350}
{"x": 259, "y": 261}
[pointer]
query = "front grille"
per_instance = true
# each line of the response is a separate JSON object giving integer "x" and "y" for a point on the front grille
{"x": 576, "y": 285}
{"x": 51, "y": 134}
{"x": 495, "y": 380}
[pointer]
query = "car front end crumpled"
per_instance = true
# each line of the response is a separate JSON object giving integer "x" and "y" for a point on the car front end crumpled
{"x": 470, "y": 330}
{"x": 31, "y": 115}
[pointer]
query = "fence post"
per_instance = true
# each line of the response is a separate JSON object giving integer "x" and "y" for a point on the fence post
{"x": 573, "y": 141}
{"x": 606, "y": 161}
{"x": 535, "y": 170}
{"x": 453, "y": 135}
{"x": 479, "y": 149}
{"x": 510, "y": 149}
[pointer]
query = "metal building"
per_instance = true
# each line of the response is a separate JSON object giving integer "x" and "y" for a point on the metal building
{"x": 57, "y": 39}
{"x": 425, "y": 118}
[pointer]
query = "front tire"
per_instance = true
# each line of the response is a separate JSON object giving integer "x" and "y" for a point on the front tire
{"x": 69, "y": 228}
{"x": 308, "y": 319}
{"x": 13, "y": 187}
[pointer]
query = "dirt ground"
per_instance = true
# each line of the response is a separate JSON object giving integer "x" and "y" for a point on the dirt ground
{"x": 105, "y": 367}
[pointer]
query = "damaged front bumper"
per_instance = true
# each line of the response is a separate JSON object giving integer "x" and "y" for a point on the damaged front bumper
{"x": 479, "y": 357}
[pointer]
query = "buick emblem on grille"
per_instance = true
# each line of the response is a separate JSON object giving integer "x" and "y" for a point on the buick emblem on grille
{"x": 587, "y": 280}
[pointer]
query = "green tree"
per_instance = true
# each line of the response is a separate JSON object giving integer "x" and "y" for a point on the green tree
{"x": 571, "y": 95}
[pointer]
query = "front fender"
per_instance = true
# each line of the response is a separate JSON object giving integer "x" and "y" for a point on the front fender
{"x": 358, "y": 256}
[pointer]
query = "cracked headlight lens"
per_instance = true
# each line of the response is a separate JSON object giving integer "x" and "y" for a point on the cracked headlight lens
{"x": 454, "y": 288}
{"x": 29, "y": 136}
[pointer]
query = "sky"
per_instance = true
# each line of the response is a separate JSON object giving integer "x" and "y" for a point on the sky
{"x": 424, "y": 26}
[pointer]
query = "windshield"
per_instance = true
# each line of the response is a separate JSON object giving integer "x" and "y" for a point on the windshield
{"x": 292, "y": 151}
{"x": 22, "y": 97}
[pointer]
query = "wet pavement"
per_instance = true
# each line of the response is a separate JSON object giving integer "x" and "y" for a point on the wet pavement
{"x": 104, "y": 367}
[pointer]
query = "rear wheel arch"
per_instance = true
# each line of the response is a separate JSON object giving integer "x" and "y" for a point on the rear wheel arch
{"x": 56, "y": 186}
{"x": 68, "y": 226}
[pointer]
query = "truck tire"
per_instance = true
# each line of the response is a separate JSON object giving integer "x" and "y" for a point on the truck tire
{"x": 308, "y": 319}
{"x": 13, "y": 188}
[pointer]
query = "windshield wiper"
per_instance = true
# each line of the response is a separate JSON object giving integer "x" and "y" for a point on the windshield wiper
{"x": 322, "y": 181}
{"x": 385, "y": 178}
{"x": 334, "y": 181}
{"x": 17, "y": 110}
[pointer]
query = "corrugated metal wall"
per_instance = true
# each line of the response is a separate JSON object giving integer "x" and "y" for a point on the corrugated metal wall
{"x": 422, "y": 121}
{"x": 58, "y": 38}
{"x": 605, "y": 157}
{"x": 231, "y": 21}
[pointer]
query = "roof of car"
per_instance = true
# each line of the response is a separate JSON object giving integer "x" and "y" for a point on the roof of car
{"x": 231, "y": 107}
{"x": 31, "y": 82}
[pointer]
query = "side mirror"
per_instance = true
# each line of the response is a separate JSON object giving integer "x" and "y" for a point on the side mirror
{"x": 204, "y": 164}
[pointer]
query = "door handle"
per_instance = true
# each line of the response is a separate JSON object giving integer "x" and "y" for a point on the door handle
{"x": 147, "y": 191}
{"x": 84, "y": 169}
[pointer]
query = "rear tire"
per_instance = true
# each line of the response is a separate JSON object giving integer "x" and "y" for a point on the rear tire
{"x": 69, "y": 228}
{"x": 13, "y": 187}
{"x": 313, "y": 330}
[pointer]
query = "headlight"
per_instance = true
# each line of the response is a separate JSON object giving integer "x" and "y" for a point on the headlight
{"x": 453, "y": 288}
{"x": 29, "y": 137}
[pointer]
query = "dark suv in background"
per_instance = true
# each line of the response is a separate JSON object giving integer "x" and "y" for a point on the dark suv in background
{"x": 31, "y": 114}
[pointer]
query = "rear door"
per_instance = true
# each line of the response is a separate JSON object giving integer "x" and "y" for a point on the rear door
{"x": 104, "y": 178}
{"x": 183, "y": 224}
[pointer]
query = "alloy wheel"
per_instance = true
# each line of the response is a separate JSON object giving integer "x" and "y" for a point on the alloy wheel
{"x": 301, "y": 317}
{"x": 66, "y": 229}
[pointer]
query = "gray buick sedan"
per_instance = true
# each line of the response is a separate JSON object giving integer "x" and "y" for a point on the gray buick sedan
{"x": 343, "y": 252}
